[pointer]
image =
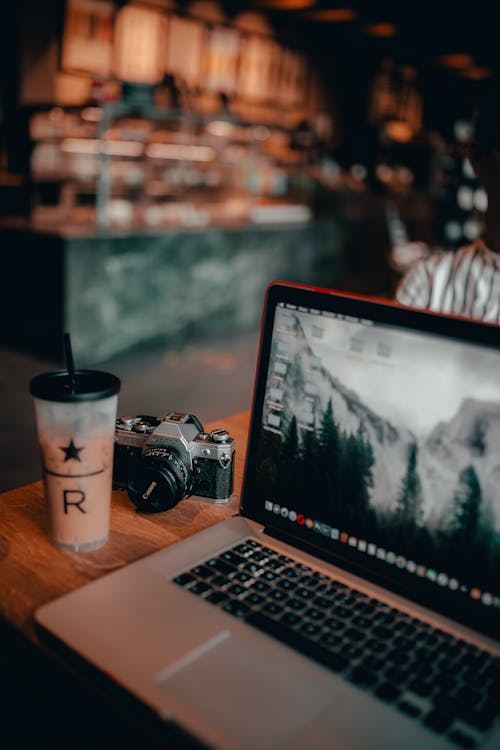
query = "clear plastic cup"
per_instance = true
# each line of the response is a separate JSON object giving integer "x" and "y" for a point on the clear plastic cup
{"x": 75, "y": 419}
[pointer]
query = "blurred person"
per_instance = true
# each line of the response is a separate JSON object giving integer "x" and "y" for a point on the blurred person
{"x": 466, "y": 281}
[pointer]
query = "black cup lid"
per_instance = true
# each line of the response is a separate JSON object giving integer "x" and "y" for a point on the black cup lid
{"x": 90, "y": 385}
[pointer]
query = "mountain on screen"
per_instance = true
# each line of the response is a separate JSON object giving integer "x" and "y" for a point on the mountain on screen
{"x": 426, "y": 480}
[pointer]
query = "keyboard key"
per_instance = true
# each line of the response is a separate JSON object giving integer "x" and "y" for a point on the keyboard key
{"x": 322, "y": 602}
{"x": 277, "y": 595}
{"x": 261, "y": 586}
{"x": 272, "y": 608}
{"x": 376, "y": 645}
{"x": 383, "y": 617}
{"x": 478, "y": 718}
{"x": 290, "y": 618}
{"x": 216, "y": 597}
{"x": 241, "y": 577}
{"x": 373, "y": 662}
{"x": 304, "y": 593}
{"x": 388, "y": 692}
{"x": 269, "y": 552}
{"x": 407, "y": 630}
{"x": 202, "y": 571}
{"x": 399, "y": 657}
{"x": 334, "y": 624}
{"x": 296, "y": 604}
{"x": 382, "y": 632}
{"x": 220, "y": 581}
{"x": 254, "y": 569}
{"x": 341, "y": 611}
{"x": 409, "y": 708}
{"x": 268, "y": 575}
{"x": 309, "y": 628}
{"x": 184, "y": 579}
{"x": 396, "y": 675}
{"x": 242, "y": 549}
{"x": 345, "y": 599}
{"x": 254, "y": 599}
{"x": 309, "y": 581}
{"x": 304, "y": 568}
{"x": 290, "y": 573}
{"x": 236, "y": 589}
{"x": 363, "y": 608}
{"x": 351, "y": 650}
{"x": 446, "y": 702}
{"x": 361, "y": 622}
{"x": 362, "y": 676}
{"x": 233, "y": 558}
{"x": 462, "y": 739}
{"x": 425, "y": 654}
{"x": 274, "y": 564}
{"x": 200, "y": 588}
{"x": 236, "y": 608}
{"x": 404, "y": 643}
{"x": 352, "y": 634}
{"x": 286, "y": 584}
{"x": 257, "y": 557}
{"x": 331, "y": 640}
{"x": 468, "y": 696}
{"x": 438, "y": 720}
{"x": 326, "y": 589}
{"x": 421, "y": 687}
{"x": 315, "y": 614}
{"x": 424, "y": 669}
{"x": 220, "y": 566}
{"x": 445, "y": 681}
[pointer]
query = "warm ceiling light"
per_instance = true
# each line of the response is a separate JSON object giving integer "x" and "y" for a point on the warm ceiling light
{"x": 333, "y": 15}
{"x": 398, "y": 130}
{"x": 287, "y": 4}
{"x": 381, "y": 30}
{"x": 455, "y": 60}
{"x": 476, "y": 73}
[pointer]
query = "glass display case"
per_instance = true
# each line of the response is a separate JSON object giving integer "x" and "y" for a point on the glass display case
{"x": 123, "y": 165}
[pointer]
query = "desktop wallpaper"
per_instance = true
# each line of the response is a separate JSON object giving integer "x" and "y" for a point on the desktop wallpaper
{"x": 389, "y": 435}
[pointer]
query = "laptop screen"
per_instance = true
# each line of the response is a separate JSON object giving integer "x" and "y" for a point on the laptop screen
{"x": 375, "y": 437}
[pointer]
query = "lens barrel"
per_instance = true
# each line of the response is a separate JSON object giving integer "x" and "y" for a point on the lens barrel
{"x": 161, "y": 479}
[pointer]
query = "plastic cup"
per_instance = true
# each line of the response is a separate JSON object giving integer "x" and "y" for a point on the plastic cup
{"x": 75, "y": 420}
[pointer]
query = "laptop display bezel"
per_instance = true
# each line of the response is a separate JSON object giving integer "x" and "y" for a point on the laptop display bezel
{"x": 470, "y": 613}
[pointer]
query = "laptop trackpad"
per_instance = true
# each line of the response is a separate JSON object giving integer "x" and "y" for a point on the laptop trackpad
{"x": 257, "y": 701}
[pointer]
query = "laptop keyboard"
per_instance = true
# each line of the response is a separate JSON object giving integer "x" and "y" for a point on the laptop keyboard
{"x": 448, "y": 684}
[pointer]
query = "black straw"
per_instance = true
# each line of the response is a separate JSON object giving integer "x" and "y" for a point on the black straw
{"x": 69, "y": 361}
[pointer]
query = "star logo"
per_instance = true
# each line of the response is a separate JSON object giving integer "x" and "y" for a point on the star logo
{"x": 71, "y": 451}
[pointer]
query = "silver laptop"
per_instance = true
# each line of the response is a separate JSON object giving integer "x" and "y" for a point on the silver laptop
{"x": 355, "y": 600}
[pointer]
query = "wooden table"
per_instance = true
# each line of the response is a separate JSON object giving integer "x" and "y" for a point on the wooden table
{"x": 33, "y": 571}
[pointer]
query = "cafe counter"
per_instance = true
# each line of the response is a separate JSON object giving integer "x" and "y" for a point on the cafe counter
{"x": 116, "y": 290}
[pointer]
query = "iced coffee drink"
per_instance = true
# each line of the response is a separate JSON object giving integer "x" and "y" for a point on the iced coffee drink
{"x": 76, "y": 436}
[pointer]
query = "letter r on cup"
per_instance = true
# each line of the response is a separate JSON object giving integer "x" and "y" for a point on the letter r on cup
{"x": 77, "y": 504}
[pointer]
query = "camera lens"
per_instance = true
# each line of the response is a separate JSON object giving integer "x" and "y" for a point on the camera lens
{"x": 161, "y": 479}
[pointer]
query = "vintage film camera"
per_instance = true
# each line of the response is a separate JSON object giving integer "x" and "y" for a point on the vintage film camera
{"x": 162, "y": 460}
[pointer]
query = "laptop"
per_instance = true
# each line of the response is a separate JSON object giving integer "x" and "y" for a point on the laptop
{"x": 354, "y": 602}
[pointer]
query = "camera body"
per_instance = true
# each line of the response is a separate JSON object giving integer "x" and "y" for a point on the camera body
{"x": 161, "y": 460}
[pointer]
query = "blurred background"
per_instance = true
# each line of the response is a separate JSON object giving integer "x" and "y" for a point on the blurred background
{"x": 162, "y": 162}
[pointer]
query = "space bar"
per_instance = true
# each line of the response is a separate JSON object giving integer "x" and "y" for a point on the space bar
{"x": 297, "y": 641}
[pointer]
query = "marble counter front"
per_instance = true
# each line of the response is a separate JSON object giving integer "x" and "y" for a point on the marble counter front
{"x": 117, "y": 291}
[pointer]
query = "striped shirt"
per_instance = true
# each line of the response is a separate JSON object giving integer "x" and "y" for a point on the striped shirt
{"x": 461, "y": 282}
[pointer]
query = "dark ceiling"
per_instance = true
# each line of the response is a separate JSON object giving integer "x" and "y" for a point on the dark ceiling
{"x": 425, "y": 31}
